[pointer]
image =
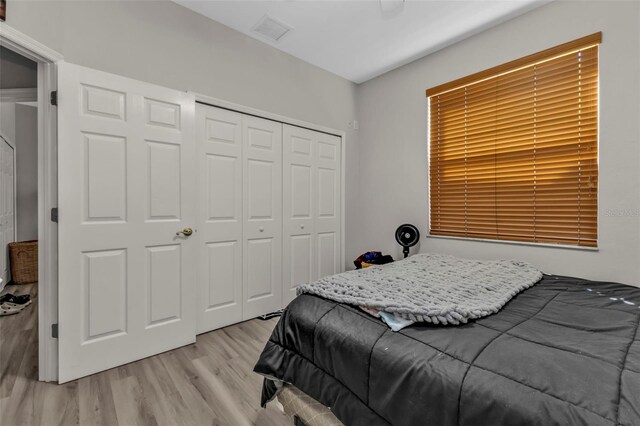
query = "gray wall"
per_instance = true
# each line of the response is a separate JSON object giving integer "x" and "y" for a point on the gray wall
{"x": 392, "y": 110}
{"x": 166, "y": 44}
{"x": 16, "y": 71}
{"x": 19, "y": 124}
{"x": 26, "y": 172}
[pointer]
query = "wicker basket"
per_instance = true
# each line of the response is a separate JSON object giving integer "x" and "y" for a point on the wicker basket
{"x": 24, "y": 262}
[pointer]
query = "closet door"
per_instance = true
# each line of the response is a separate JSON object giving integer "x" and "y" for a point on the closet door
{"x": 219, "y": 147}
{"x": 311, "y": 208}
{"x": 327, "y": 206}
{"x": 262, "y": 206}
{"x": 299, "y": 182}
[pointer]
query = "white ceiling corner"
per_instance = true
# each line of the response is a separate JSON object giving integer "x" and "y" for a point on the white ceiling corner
{"x": 362, "y": 39}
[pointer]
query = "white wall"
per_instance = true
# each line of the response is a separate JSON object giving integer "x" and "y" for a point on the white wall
{"x": 392, "y": 110}
{"x": 8, "y": 100}
{"x": 16, "y": 71}
{"x": 163, "y": 43}
{"x": 19, "y": 126}
{"x": 26, "y": 130}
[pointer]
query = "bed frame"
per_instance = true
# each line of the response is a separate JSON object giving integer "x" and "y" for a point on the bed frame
{"x": 304, "y": 410}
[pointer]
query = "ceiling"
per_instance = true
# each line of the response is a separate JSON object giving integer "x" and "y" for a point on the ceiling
{"x": 359, "y": 40}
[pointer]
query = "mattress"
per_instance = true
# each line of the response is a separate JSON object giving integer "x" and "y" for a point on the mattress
{"x": 566, "y": 351}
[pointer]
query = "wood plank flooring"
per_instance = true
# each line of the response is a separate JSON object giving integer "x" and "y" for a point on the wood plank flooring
{"x": 208, "y": 383}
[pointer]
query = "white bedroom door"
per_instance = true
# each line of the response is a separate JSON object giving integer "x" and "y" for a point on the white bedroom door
{"x": 219, "y": 282}
{"x": 126, "y": 178}
{"x": 262, "y": 206}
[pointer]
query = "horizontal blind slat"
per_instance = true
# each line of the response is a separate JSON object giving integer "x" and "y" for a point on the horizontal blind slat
{"x": 514, "y": 156}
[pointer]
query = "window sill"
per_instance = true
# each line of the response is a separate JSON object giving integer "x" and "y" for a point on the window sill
{"x": 516, "y": 243}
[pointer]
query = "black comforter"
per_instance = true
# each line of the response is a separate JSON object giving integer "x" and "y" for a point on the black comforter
{"x": 566, "y": 352}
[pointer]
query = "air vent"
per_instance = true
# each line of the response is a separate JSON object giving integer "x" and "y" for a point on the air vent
{"x": 270, "y": 28}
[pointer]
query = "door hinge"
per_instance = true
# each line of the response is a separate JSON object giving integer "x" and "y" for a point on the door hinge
{"x": 54, "y": 331}
{"x": 54, "y": 97}
{"x": 54, "y": 215}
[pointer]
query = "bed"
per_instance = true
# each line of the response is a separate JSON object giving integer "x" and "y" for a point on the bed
{"x": 565, "y": 351}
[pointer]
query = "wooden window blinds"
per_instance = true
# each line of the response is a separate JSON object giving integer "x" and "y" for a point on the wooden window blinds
{"x": 514, "y": 149}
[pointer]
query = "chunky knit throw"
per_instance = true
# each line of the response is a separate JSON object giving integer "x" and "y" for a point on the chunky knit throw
{"x": 430, "y": 288}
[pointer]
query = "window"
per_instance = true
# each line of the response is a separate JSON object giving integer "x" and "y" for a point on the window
{"x": 514, "y": 149}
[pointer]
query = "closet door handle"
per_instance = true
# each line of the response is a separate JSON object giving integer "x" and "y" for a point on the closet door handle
{"x": 261, "y": 229}
{"x": 186, "y": 232}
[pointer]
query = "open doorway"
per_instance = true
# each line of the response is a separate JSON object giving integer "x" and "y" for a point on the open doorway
{"x": 18, "y": 210}
{"x": 28, "y": 196}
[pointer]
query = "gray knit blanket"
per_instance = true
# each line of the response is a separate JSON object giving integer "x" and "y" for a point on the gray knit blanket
{"x": 430, "y": 288}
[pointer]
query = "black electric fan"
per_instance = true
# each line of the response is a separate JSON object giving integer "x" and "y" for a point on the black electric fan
{"x": 407, "y": 236}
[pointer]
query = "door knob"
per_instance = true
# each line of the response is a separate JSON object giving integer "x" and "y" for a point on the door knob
{"x": 261, "y": 229}
{"x": 186, "y": 232}
{"x": 301, "y": 226}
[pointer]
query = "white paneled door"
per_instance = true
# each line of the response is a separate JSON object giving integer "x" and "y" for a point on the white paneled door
{"x": 299, "y": 207}
{"x": 311, "y": 208}
{"x": 126, "y": 187}
{"x": 327, "y": 208}
{"x": 262, "y": 206}
{"x": 219, "y": 147}
{"x": 240, "y": 216}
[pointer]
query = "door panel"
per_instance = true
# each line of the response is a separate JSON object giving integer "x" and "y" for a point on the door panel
{"x": 299, "y": 182}
{"x": 126, "y": 179}
{"x": 223, "y": 272}
{"x": 311, "y": 208}
{"x": 105, "y": 174}
{"x": 260, "y": 276}
{"x": 327, "y": 259}
{"x": 219, "y": 140}
{"x": 105, "y": 284}
{"x": 301, "y": 264}
{"x": 223, "y": 194}
{"x": 103, "y": 102}
{"x": 163, "y": 284}
{"x": 327, "y": 193}
{"x": 163, "y": 182}
{"x": 261, "y": 191}
{"x": 262, "y": 229}
{"x": 301, "y": 194}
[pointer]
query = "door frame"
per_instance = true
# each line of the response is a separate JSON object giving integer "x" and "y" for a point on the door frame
{"x": 221, "y": 103}
{"x": 46, "y": 59}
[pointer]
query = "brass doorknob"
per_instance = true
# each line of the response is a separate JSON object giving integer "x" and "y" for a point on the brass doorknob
{"x": 186, "y": 232}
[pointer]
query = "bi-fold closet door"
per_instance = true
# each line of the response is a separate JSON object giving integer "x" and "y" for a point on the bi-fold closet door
{"x": 240, "y": 225}
{"x": 269, "y": 213}
{"x": 311, "y": 208}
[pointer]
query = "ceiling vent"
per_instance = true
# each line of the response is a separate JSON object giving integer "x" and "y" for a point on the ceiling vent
{"x": 270, "y": 28}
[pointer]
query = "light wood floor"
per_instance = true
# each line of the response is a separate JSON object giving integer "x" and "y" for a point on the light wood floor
{"x": 208, "y": 383}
